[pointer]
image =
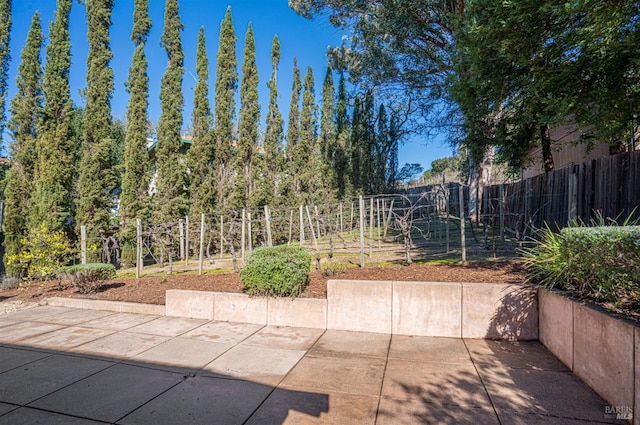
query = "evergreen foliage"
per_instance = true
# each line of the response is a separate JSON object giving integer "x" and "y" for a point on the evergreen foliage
{"x": 171, "y": 197}
{"x": 226, "y": 87}
{"x": 87, "y": 278}
{"x": 342, "y": 154}
{"x": 280, "y": 271}
{"x": 202, "y": 151}
{"x": 5, "y": 55}
{"x": 327, "y": 141}
{"x": 56, "y": 148}
{"x": 308, "y": 155}
{"x": 134, "y": 198}
{"x": 271, "y": 185}
{"x": 22, "y": 127}
{"x": 292, "y": 171}
{"x": 247, "y": 152}
{"x": 98, "y": 175}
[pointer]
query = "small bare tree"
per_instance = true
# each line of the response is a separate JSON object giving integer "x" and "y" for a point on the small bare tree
{"x": 403, "y": 221}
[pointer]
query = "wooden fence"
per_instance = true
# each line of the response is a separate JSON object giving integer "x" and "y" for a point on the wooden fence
{"x": 608, "y": 187}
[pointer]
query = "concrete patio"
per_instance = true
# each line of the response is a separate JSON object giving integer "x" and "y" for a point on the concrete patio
{"x": 61, "y": 365}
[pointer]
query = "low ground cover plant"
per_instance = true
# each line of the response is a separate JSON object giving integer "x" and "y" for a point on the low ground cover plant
{"x": 281, "y": 271}
{"x": 88, "y": 277}
{"x": 600, "y": 263}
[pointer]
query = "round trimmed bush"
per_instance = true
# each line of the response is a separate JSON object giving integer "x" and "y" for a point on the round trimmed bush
{"x": 281, "y": 271}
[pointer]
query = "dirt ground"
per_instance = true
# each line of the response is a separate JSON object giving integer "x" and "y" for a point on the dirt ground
{"x": 151, "y": 290}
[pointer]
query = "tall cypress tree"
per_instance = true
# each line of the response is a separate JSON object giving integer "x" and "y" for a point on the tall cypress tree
{"x": 201, "y": 153}
{"x": 170, "y": 201}
{"x": 226, "y": 87}
{"x": 342, "y": 157}
{"x": 328, "y": 136}
{"x": 25, "y": 107}
{"x": 308, "y": 158}
{"x": 134, "y": 198}
{"x": 248, "y": 125}
{"x": 5, "y": 56}
{"x": 362, "y": 141}
{"x": 381, "y": 151}
{"x": 98, "y": 178}
{"x": 271, "y": 184}
{"x": 293, "y": 137}
{"x": 56, "y": 149}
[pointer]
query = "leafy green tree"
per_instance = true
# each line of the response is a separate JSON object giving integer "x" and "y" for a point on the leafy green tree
{"x": 409, "y": 172}
{"x": 226, "y": 87}
{"x": 134, "y": 198}
{"x": 404, "y": 46}
{"x": 171, "y": 197}
{"x": 99, "y": 173}
{"x": 293, "y": 138}
{"x": 201, "y": 154}
{"x": 24, "y": 113}
{"x": 248, "y": 125}
{"x": 271, "y": 185}
{"x": 524, "y": 67}
{"x": 56, "y": 149}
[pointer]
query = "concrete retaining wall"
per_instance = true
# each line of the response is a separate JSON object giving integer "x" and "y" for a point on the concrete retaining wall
{"x": 600, "y": 349}
{"x": 468, "y": 310}
{"x": 118, "y": 306}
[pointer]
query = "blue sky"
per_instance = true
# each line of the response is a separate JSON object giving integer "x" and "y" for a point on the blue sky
{"x": 301, "y": 38}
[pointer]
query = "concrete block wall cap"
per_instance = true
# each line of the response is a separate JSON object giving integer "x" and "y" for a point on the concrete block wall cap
{"x": 357, "y": 281}
{"x": 420, "y": 282}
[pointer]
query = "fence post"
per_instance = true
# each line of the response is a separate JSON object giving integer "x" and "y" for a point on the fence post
{"x": 370, "y": 227}
{"x": 138, "y": 248}
{"x": 250, "y": 236}
{"x": 378, "y": 221}
{"x": 290, "y": 227}
{"x": 573, "y": 198}
{"x": 242, "y": 234}
{"x": 527, "y": 206}
{"x": 201, "y": 250}
{"x": 301, "y": 227}
{"x": 181, "y": 230}
{"x": 341, "y": 221}
{"x": 221, "y": 236}
{"x": 446, "y": 212}
{"x": 83, "y": 244}
{"x": 351, "y": 221}
{"x": 462, "y": 225}
{"x": 267, "y": 220}
{"x": 313, "y": 233}
{"x": 186, "y": 240}
{"x": 502, "y": 212}
{"x": 361, "y": 205}
{"x": 315, "y": 211}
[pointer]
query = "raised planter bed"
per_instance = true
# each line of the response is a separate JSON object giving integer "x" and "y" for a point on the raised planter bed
{"x": 604, "y": 351}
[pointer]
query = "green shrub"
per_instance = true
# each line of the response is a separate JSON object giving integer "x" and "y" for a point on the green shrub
{"x": 281, "y": 271}
{"x": 42, "y": 254}
{"x": 88, "y": 277}
{"x": 597, "y": 262}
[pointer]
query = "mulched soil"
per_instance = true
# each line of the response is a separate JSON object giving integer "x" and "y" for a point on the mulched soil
{"x": 151, "y": 290}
